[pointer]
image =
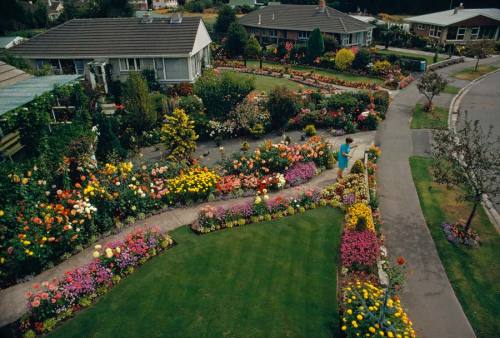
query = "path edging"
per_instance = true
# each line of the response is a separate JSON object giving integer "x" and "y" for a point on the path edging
{"x": 453, "y": 114}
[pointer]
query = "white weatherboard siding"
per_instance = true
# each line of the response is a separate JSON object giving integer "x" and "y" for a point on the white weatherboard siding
{"x": 449, "y": 17}
{"x": 202, "y": 39}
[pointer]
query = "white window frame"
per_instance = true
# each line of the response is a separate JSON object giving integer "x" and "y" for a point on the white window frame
{"x": 435, "y": 31}
{"x": 125, "y": 65}
{"x": 474, "y": 36}
{"x": 273, "y": 33}
{"x": 303, "y": 35}
{"x": 420, "y": 27}
{"x": 368, "y": 39}
{"x": 460, "y": 34}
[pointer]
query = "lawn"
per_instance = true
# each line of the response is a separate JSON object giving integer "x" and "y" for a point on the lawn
{"x": 324, "y": 72}
{"x": 474, "y": 273}
{"x": 272, "y": 279}
{"x": 428, "y": 58}
{"x": 268, "y": 83}
{"x": 449, "y": 89}
{"x": 421, "y": 119}
{"x": 469, "y": 74}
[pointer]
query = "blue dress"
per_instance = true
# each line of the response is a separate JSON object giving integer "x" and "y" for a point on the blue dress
{"x": 344, "y": 148}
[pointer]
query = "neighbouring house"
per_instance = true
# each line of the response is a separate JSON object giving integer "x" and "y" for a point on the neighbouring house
{"x": 243, "y": 3}
{"x": 176, "y": 48}
{"x": 139, "y": 5}
{"x": 459, "y": 25}
{"x": 160, "y": 4}
{"x": 7, "y": 42}
{"x": 278, "y": 22}
{"x": 54, "y": 9}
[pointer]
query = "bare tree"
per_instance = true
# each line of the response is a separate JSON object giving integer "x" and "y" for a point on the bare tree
{"x": 467, "y": 158}
{"x": 431, "y": 84}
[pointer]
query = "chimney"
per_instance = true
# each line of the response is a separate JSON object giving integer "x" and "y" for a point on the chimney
{"x": 260, "y": 19}
{"x": 322, "y": 6}
{"x": 461, "y": 6}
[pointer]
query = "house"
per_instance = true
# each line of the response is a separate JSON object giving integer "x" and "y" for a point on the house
{"x": 160, "y": 4}
{"x": 54, "y": 9}
{"x": 278, "y": 22}
{"x": 7, "y": 42}
{"x": 243, "y": 3}
{"x": 139, "y": 5}
{"x": 175, "y": 47}
{"x": 459, "y": 25}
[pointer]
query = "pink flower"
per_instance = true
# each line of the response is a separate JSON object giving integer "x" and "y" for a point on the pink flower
{"x": 35, "y": 303}
{"x": 45, "y": 295}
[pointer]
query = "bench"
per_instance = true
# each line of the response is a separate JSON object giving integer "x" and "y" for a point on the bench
{"x": 10, "y": 144}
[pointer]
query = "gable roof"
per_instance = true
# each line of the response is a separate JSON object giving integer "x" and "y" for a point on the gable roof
{"x": 10, "y": 75}
{"x": 113, "y": 37}
{"x": 449, "y": 17}
{"x": 304, "y": 18}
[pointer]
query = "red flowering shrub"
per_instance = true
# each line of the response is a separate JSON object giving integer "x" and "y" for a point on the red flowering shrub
{"x": 359, "y": 249}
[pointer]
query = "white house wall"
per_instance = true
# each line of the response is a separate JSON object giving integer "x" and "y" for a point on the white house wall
{"x": 202, "y": 38}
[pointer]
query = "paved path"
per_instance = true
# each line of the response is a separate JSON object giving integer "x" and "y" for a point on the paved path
{"x": 12, "y": 299}
{"x": 429, "y": 296}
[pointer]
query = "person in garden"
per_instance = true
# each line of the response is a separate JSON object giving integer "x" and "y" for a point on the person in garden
{"x": 343, "y": 157}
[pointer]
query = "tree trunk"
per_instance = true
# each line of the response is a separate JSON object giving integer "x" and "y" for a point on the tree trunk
{"x": 471, "y": 216}
{"x": 260, "y": 63}
{"x": 477, "y": 64}
{"x": 245, "y": 62}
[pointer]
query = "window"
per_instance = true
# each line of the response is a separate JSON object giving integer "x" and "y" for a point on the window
{"x": 369, "y": 37}
{"x": 420, "y": 27}
{"x": 303, "y": 35}
{"x": 460, "y": 33}
{"x": 347, "y": 39}
{"x": 130, "y": 64}
{"x": 487, "y": 32}
{"x": 273, "y": 33}
{"x": 79, "y": 66}
{"x": 435, "y": 31}
{"x": 474, "y": 33}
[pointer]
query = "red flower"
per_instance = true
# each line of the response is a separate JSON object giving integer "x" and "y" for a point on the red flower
{"x": 401, "y": 260}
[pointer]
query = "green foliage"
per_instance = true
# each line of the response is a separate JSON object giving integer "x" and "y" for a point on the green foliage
{"x": 222, "y": 93}
{"x": 150, "y": 77}
{"x": 362, "y": 59}
{"x": 225, "y": 18}
{"x": 346, "y": 101}
{"x": 310, "y": 130}
{"x": 140, "y": 113}
{"x": 357, "y": 167}
{"x": 282, "y": 106}
{"x": 344, "y": 58}
{"x": 252, "y": 48}
{"x": 108, "y": 144}
{"x": 331, "y": 43}
{"x": 191, "y": 105}
{"x": 33, "y": 122}
{"x": 178, "y": 135}
{"x": 431, "y": 84}
{"x": 197, "y": 6}
{"x": 315, "y": 45}
{"x": 236, "y": 41}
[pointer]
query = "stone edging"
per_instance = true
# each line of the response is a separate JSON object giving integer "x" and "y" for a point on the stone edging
{"x": 453, "y": 114}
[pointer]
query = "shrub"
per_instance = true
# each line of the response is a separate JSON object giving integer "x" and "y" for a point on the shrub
{"x": 251, "y": 116}
{"x": 358, "y": 167}
{"x": 282, "y": 106}
{"x": 181, "y": 89}
{"x": 310, "y": 130}
{"x": 315, "y": 45}
{"x": 331, "y": 43}
{"x": 191, "y": 105}
{"x": 359, "y": 217}
{"x": 236, "y": 40}
{"x": 140, "y": 114}
{"x": 344, "y": 59}
{"x": 195, "y": 184}
{"x": 346, "y": 101}
{"x": 222, "y": 93}
{"x": 381, "y": 67}
{"x": 359, "y": 249}
{"x": 225, "y": 18}
{"x": 178, "y": 135}
{"x": 362, "y": 59}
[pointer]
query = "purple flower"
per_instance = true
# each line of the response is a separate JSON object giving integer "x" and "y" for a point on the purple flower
{"x": 300, "y": 172}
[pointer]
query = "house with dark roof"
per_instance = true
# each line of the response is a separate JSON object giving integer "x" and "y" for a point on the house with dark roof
{"x": 458, "y": 25}
{"x": 278, "y": 22}
{"x": 176, "y": 48}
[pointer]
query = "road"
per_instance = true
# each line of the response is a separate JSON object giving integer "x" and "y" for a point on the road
{"x": 482, "y": 102}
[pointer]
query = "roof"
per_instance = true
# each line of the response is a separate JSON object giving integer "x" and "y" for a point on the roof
{"x": 449, "y": 17}
{"x": 8, "y": 41}
{"x": 10, "y": 75}
{"x": 20, "y": 93}
{"x": 304, "y": 18}
{"x": 113, "y": 37}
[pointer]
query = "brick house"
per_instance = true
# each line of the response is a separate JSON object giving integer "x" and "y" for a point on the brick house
{"x": 277, "y": 23}
{"x": 459, "y": 25}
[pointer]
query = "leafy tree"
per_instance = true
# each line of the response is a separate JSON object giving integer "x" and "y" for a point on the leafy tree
{"x": 331, "y": 43}
{"x": 108, "y": 144}
{"x": 315, "y": 45}
{"x": 431, "y": 84}
{"x": 40, "y": 14}
{"x": 344, "y": 59}
{"x": 253, "y": 48}
{"x": 282, "y": 106}
{"x": 178, "y": 135}
{"x": 467, "y": 158}
{"x": 140, "y": 114}
{"x": 480, "y": 49}
{"x": 225, "y": 18}
{"x": 34, "y": 124}
{"x": 237, "y": 38}
{"x": 362, "y": 59}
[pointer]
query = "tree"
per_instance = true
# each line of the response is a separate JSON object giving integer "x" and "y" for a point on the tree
{"x": 178, "y": 135}
{"x": 237, "y": 38}
{"x": 282, "y": 106}
{"x": 362, "y": 59}
{"x": 252, "y": 49}
{"x": 344, "y": 59}
{"x": 40, "y": 14}
{"x": 331, "y": 43}
{"x": 480, "y": 49}
{"x": 315, "y": 45}
{"x": 138, "y": 104}
{"x": 431, "y": 84}
{"x": 467, "y": 158}
{"x": 225, "y": 18}
{"x": 108, "y": 144}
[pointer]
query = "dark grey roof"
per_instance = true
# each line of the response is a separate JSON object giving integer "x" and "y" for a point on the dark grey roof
{"x": 112, "y": 37}
{"x": 10, "y": 75}
{"x": 304, "y": 18}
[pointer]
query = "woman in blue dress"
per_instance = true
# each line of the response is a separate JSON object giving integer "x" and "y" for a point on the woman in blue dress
{"x": 343, "y": 157}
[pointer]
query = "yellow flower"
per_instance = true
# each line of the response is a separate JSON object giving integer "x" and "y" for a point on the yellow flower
{"x": 109, "y": 252}
{"x": 349, "y": 311}
{"x": 344, "y": 328}
{"x": 372, "y": 329}
{"x": 2, "y": 213}
{"x": 96, "y": 254}
{"x": 359, "y": 317}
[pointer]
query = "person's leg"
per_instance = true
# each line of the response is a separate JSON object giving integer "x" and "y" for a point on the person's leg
{"x": 340, "y": 172}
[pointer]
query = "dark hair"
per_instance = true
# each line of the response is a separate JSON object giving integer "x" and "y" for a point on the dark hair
{"x": 348, "y": 140}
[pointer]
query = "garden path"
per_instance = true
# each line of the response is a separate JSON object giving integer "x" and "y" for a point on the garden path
{"x": 12, "y": 299}
{"x": 429, "y": 296}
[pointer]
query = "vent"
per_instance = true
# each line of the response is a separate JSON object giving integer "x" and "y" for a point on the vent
{"x": 176, "y": 18}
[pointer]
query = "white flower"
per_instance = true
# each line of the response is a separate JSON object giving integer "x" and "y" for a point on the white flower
{"x": 109, "y": 252}
{"x": 117, "y": 249}
{"x": 258, "y": 200}
{"x": 96, "y": 254}
{"x": 117, "y": 184}
{"x": 98, "y": 247}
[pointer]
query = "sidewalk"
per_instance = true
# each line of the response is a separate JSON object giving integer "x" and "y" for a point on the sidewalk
{"x": 429, "y": 296}
{"x": 13, "y": 300}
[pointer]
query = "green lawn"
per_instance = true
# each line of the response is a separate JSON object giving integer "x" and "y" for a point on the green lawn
{"x": 272, "y": 279}
{"x": 268, "y": 83}
{"x": 474, "y": 273}
{"x": 325, "y": 72}
{"x": 449, "y": 89}
{"x": 438, "y": 119}
{"x": 469, "y": 74}
{"x": 428, "y": 58}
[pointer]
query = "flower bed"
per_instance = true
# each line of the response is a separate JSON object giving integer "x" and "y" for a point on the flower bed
{"x": 457, "y": 234}
{"x": 54, "y": 301}
{"x": 359, "y": 249}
